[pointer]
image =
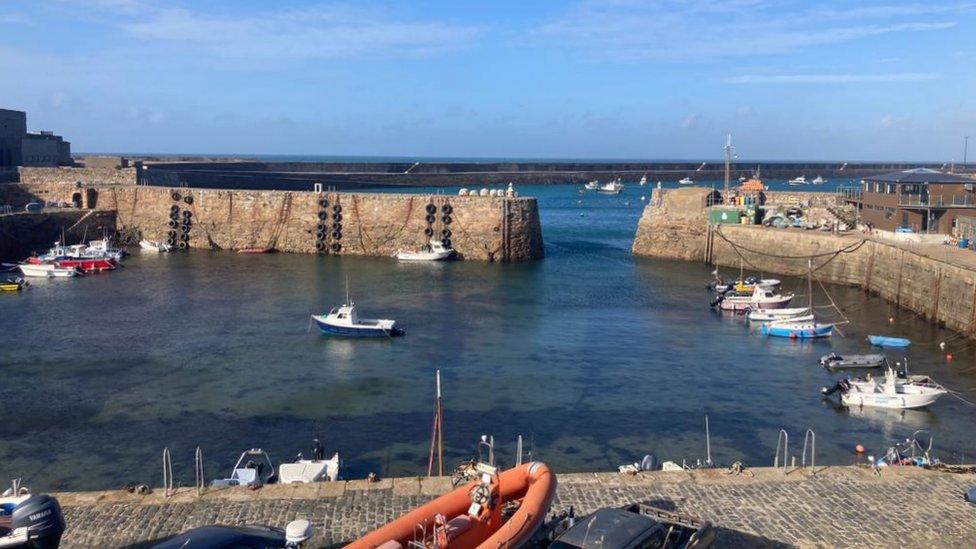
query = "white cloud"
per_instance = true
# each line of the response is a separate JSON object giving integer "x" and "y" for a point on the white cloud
{"x": 323, "y": 32}
{"x": 830, "y": 78}
{"x": 627, "y": 30}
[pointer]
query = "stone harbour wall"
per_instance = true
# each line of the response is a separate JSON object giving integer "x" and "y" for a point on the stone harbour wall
{"x": 676, "y": 227}
{"x": 372, "y": 224}
{"x": 23, "y": 233}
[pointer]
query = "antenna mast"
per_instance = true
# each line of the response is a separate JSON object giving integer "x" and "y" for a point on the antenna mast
{"x": 728, "y": 164}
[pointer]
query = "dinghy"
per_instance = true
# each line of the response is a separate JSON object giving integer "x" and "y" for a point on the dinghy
{"x": 317, "y": 469}
{"x": 838, "y": 362}
{"x": 47, "y": 270}
{"x": 885, "y": 341}
{"x": 253, "y": 468}
{"x": 686, "y": 181}
{"x": 471, "y": 515}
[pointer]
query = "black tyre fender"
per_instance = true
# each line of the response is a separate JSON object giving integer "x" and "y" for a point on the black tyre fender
{"x": 446, "y": 208}
{"x": 336, "y": 247}
{"x": 446, "y": 242}
{"x": 431, "y": 208}
{"x": 446, "y": 219}
{"x": 429, "y": 232}
{"x": 336, "y": 209}
{"x": 430, "y": 218}
{"x": 337, "y": 217}
{"x": 323, "y": 203}
{"x": 446, "y": 233}
{"x": 323, "y": 216}
{"x": 188, "y": 199}
{"x": 320, "y": 245}
{"x": 183, "y": 244}
{"x": 174, "y": 209}
{"x": 173, "y": 223}
{"x": 336, "y": 226}
{"x": 187, "y": 214}
{"x": 176, "y": 196}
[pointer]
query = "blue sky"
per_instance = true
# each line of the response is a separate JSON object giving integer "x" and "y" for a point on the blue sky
{"x": 581, "y": 79}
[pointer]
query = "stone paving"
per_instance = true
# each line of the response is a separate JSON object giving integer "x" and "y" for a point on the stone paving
{"x": 836, "y": 507}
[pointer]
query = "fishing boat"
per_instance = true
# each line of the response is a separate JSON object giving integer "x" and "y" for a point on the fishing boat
{"x": 253, "y": 468}
{"x": 75, "y": 256}
{"x": 317, "y": 469}
{"x": 435, "y": 250}
{"x": 885, "y": 341}
{"x": 686, "y": 181}
{"x": 104, "y": 248}
{"x": 838, "y": 362}
{"x": 471, "y": 515}
{"x": 818, "y": 180}
{"x": 29, "y": 520}
{"x": 47, "y": 270}
{"x": 613, "y": 187}
{"x": 344, "y": 321}
{"x": 746, "y": 285}
{"x": 802, "y": 180}
{"x": 896, "y": 391}
{"x": 759, "y": 298}
{"x": 592, "y": 185}
{"x": 154, "y": 246}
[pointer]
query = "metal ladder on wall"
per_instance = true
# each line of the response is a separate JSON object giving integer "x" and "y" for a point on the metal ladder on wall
{"x": 783, "y": 442}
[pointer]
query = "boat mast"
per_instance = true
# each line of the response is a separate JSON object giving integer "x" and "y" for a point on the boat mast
{"x": 437, "y": 435}
{"x": 810, "y": 283}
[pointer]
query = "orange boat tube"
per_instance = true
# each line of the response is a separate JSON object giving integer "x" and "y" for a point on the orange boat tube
{"x": 456, "y": 520}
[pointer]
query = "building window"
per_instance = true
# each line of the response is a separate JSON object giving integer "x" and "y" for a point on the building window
{"x": 904, "y": 219}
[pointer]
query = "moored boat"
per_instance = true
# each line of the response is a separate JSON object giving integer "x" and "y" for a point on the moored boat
{"x": 75, "y": 256}
{"x": 837, "y": 362}
{"x": 253, "y": 468}
{"x": 435, "y": 250}
{"x": 613, "y": 187}
{"x": 471, "y": 515}
{"x": 797, "y": 329}
{"x": 772, "y": 315}
{"x": 344, "y": 321}
{"x": 802, "y": 180}
{"x": 104, "y": 248}
{"x": 885, "y": 341}
{"x": 30, "y": 520}
{"x": 759, "y": 298}
{"x": 892, "y": 391}
{"x": 592, "y": 185}
{"x": 12, "y": 284}
{"x": 316, "y": 469}
{"x": 819, "y": 180}
{"x": 47, "y": 270}
{"x": 746, "y": 285}
{"x": 154, "y": 246}
{"x": 686, "y": 181}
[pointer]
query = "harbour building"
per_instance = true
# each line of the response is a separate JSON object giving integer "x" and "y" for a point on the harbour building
{"x": 920, "y": 200}
{"x": 18, "y": 147}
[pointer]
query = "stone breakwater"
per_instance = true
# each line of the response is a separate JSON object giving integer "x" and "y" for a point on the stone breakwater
{"x": 836, "y": 507}
{"x": 23, "y": 233}
{"x": 370, "y": 224}
{"x": 930, "y": 280}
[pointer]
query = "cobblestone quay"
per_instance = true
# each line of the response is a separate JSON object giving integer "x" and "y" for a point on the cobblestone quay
{"x": 836, "y": 507}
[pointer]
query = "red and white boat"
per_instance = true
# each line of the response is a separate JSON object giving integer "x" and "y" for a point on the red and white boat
{"x": 75, "y": 257}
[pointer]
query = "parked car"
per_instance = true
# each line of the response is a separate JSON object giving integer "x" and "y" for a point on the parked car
{"x": 637, "y": 526}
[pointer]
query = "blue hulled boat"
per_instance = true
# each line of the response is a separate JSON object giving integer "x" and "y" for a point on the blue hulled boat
{"x": 797, "y": 330}
{"x": 885, "y": 341}
{"x": 343, "y": 321}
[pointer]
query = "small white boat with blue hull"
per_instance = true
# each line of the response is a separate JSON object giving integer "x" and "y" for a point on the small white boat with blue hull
{"x": 343, "y": 321}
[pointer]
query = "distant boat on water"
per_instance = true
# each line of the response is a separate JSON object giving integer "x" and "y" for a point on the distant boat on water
{"x": 885, "y": 341}
{"x": 643, "y": 180}
{"x": 819, "y": 180}
{"x": 686, "y": 181}
{"x": 802, "y": 180}
{"x": 613, "y": 187}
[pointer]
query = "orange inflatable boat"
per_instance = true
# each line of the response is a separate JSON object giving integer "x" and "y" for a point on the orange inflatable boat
{"x": 471, "y": 515}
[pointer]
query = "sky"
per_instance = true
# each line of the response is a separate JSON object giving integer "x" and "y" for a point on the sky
{"x": 789, "y": 79}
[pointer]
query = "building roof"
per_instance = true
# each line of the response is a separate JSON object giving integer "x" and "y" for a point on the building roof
{"x": 921, "y": 176}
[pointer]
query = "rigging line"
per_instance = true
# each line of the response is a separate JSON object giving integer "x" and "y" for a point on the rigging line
{"x": 956, "y": 394}
{"x": 846, "y": 249}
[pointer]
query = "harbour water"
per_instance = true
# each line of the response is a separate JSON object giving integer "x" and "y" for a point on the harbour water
{"x": 594, "y": 356}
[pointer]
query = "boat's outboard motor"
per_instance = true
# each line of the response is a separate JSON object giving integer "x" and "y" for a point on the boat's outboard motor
{"x": 843, "y": 386}
{"x": 41, "y": 516}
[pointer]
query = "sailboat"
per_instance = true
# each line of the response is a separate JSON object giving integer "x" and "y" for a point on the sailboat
{"x": 800, "y": 329}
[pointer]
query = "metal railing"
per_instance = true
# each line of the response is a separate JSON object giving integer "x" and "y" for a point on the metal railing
{"x": 167, "y": 473}
{"x": 951, "y": 201}
{"x": 854, "y": 194}
{"x": 810, "y": 437}
{"x": 782, "y": 441}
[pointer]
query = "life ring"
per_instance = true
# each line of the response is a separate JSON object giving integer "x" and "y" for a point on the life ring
{"x": 792, "y": 335}
{"x": 320, "y": 245}
{"x": 336, "y": 209}
{"x": 429, "y": 232}
{"x": 188, "y": 199}
{"x": 430, "y": 218}
{"x": 187, "y": 214}
{"x": 171, "y": 241}
{"x": 446, "y": 208}
{"x": 446, "y": 233}
{"x": 336, "y": 247}
{"x": 173, "y": 223}
{"x": 323, "y": 216}
{"x": 323, "y": 203}
{"x": 337, "y": 217}
{"x": 336, "y": 226}
{"x": 446, "y": 219}
{"x": 176, "y": 196}
{"x": 446, "y": 242}
{"x": 174, "y": 209}
{"x": 431, "y": 208}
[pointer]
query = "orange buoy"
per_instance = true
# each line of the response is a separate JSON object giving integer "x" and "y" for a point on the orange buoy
{"x": 891, "y": 320}
{"x": 859, "y": 449}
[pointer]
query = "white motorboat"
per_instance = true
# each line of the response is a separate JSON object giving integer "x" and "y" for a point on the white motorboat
{"x": 643, "y": 180}
{"x": 104, "y": 248}
{"x": 819, "y": 180}
{"x": 746, "y": 285}
{"x": 317, "y": 469}
{"x": 802, "y": 180}
{"x": 613, "y": 187}
{"x": 776, "y": 315}
{"x": 892, "y": 391}
{"x": 592, "y": 185}
{"x": 47, "y": 270}
{"x": 154, "y": 246}
{"x": 686, "y": 181}
{"x": 343, "y": 321}
{"x": 758, "y": 298}
{"x": 29, "y": 520}
{"x": 436, "y": 250}
{"x": 253, "y": 468}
